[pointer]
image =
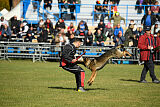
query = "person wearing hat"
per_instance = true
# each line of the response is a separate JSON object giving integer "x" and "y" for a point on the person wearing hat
{"x": 117, "y": 19}
{"x": 158, "y": 44}
{"x": 146, "y": 46}
{"x": 68, "y": 62}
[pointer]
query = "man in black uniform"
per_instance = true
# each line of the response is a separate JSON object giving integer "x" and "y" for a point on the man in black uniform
{"x": 68, "y": 62}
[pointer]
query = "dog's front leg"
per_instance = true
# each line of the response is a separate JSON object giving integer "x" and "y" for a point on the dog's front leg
{"x": 93, "y": 78}
{"x": 93, "y": 73}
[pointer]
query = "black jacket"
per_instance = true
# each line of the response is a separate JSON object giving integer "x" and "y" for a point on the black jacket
{"x": 68, "y": 53}
{"x": 60, "y": 25}
{"x": 143, "y": 21}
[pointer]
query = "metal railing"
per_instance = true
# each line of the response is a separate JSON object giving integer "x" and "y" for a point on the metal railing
{"x": 46, "y": 51}
{"x": 127, "y": 13}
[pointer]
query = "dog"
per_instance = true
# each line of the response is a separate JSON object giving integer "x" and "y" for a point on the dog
{"x": 99, "y": 62}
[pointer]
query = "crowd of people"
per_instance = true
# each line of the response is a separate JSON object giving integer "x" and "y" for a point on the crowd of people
{"x": 62, "y": 34}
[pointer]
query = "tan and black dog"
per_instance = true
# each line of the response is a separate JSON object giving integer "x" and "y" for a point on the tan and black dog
{"x": 99, "y": 62}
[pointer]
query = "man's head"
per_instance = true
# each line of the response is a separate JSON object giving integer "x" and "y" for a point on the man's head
{"x": 149, "y": 12}
{"x": 118, "y": 26}
{"x": 2, "y": 18}
{"x": 119, "y": 33}
{"x": 148, "y": 31}
{"x": 77, "y": 43}
{"x": 117, "y": 14}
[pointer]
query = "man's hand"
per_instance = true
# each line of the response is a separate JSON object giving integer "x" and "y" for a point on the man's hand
{"x": 74, "y": 60}
{"x": 149, "y": 47}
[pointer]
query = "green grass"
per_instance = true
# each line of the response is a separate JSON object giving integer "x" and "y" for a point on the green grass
{"x": 27, "y": 84}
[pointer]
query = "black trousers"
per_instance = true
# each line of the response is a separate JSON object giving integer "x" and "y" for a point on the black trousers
{"x": 79, "y": 74}
{"x": 148, "y": 65}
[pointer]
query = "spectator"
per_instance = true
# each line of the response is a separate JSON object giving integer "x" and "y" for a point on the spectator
{"x": 48, "y": 3}
{"x": 140, "y": 7}
{"x": 155, "y": 30}
{"x": 140, "y": 32}
{"x": 158, "y": 44}
{"x": 30, "y": 35}
{"x": 117, "y": 29}
{"x": 155, "y": 10}
{"x": 117, "y": 18}
{"x": 72, "y": 8}
{"x": 36, "y": 4}
{"x": 23, "y": 30}
{"x": 82, "y": 28}
{"x": 108, "y": 31}
{"x": 60, "y": 25}
{"x": 60, "y": 39}
{"x": 71, "y": 27}
{"x": 97, "y": 10}
{"x": 71, "y": 36}
{"x": 88, "y": 41}
{"x": 3, "y": 22}
{"x": 43, "y": 35}
{"x": 6, "y": 33}
{"x": 147, "y": 20}
{"x": 119, "y": 39}
{"x": 100, "y": 38}
{"x": 112, "y": 9}
{"x": 147, "y": 3}
{"x": 15, "y": 25}
{"x": 101, "y": 26}
{"x": 104, "y": 10}
{"x": 129, "y": 35}
{"x": 135, "y": 26}
{"x": 40, "y": 26}
{"x": 49, "y": 25}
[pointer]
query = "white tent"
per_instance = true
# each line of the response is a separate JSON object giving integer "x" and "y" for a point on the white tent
{"x": 15, "y": 11}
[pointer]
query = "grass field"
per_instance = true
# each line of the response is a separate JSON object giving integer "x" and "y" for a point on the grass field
{"x": 27, "y": 84}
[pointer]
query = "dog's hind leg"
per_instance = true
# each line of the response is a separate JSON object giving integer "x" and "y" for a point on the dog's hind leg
{"x": 90, "y": 83}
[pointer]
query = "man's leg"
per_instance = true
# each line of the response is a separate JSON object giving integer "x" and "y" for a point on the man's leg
{"x": 144, "y": 71}
{"x": 79, "y": 74}
{"x": 151, "y": 69}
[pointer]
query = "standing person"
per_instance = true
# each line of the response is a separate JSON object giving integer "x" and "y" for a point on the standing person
{"x": 48, "y": 3}
{"x": 158, "y": 44}
{"x": 72, "y": 8}
{"x": 147, "y": 20}
{"x": 117, "y": 19}
{"x": 146, "y": 45}
{"x": 68, "y": 62}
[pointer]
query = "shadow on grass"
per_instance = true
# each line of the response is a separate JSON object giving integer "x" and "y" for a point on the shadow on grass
{"x": 130, "y": 80}
{"x": 88, "y": 89}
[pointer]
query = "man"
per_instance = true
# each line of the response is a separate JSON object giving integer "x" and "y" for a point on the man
{"x": 99, "y": 39}
{"x": 119, "y": 39}
{"x": 158, "y": 44}
{"x": 129, "y": 35}
{"x": 117, "y": 19}
{"x": 117, "y": 29}
{"x": 68, "y": 62}
{"x": 6, "y": 33}
{"x": 146, "y": 45}
{"x": 147, "y": 20}
{"x": 3, "y": 22}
